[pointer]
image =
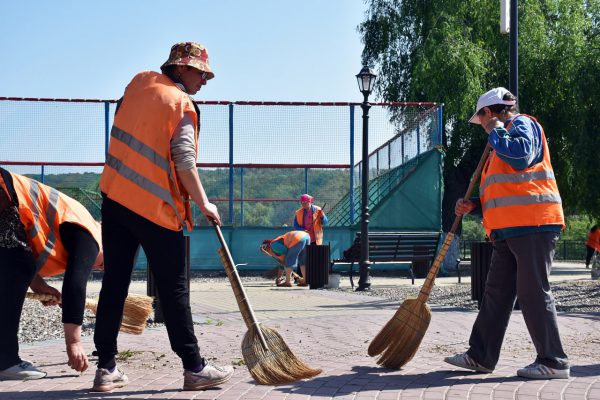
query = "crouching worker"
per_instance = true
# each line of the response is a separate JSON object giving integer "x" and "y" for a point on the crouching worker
{"x": 289, "y": 250}
{"x": 43, "y": 233}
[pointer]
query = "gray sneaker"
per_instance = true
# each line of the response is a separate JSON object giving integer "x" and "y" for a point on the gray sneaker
{"x": 105, "y": 381}
{"x": 211, "y": 375}
{"x": 540, "y": 371}
{"x": 464, "y": 361}
{"x": 23, "y": 371}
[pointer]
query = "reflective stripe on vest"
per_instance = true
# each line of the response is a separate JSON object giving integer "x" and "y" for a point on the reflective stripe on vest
{"x": 136, "y": 178}
{"x": 51, "y": 211}
{"x": 517, "y": 178}
{"x": 42, "y": 210}
{"x": 522, "y": 200}
{"x": 512, "y": 198}
{"x": 290, "y": 239}
{"x": 139, "y": 173}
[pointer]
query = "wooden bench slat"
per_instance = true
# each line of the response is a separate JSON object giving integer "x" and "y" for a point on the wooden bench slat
{"x": 393, "y": 247}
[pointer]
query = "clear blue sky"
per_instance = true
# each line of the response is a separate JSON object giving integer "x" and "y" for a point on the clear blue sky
{"x": 278, "y": 50}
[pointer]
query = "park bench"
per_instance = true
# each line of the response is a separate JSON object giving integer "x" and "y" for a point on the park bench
{"x": 412, "y": 252}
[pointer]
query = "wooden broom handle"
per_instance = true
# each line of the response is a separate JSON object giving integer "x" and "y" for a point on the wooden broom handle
{"x": 49, "y": 297}
{"x": 41, "y": 296}
{"x": 238, "y": 288}
{"x": 429, "y": 281}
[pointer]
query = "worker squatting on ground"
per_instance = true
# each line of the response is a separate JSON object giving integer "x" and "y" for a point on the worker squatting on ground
{"x": 289, "y": 250}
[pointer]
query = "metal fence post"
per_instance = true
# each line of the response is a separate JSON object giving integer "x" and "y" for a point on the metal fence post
{"x": 231, "y": 219}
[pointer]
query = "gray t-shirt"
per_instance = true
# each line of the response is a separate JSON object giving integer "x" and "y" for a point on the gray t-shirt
{"x": 183, "y": 151}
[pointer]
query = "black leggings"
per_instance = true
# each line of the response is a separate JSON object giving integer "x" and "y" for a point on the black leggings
{"x": 123, "y": 231}
{"x": 17, "y": 269}
{"x": 82, "y": 251}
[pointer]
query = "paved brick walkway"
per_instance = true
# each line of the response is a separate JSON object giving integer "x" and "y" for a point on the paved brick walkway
{"x": 330, "y": 330}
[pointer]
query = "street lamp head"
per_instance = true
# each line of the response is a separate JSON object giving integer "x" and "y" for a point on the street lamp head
{"x": 366, "y": 80}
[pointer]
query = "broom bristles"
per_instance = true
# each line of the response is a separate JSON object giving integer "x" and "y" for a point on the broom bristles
{"x": 404, "y": 333}
{"x": 275, "y": 365}
{"x": 136, "y": 311}
{"x": 384, "y": 337}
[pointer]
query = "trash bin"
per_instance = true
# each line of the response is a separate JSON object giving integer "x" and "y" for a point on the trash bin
{"x": 317, "y": 265}
{"x": 481, "y": 256}
{"x": 420, "y": 269}
{"x": 151, "y": 285}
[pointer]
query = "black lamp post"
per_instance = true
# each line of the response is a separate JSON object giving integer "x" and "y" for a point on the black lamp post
{"x": 366, "y": 81}
{"x": 513, "y": 85}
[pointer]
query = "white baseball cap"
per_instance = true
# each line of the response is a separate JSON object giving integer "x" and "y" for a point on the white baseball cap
{"x": 489, "y": 98}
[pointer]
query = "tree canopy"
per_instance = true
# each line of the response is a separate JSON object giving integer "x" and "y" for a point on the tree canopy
{"x": 452, "y": 51}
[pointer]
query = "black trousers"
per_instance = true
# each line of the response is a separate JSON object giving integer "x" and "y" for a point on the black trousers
{"x": 123, "y": 231}
{"x": 17, "y": 269}
{"x": 519, "y": 268}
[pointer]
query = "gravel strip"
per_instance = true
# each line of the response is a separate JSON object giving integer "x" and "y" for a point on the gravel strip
{"x": 579, "y": 296}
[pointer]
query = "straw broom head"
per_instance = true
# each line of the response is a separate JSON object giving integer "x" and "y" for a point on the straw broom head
{"x": 268, "y": 358}
{"x": 136, "y": 311}
{"x": 275, "y": 365}
{"x": 400, "y": 338}
{"x": 412, "y": 321}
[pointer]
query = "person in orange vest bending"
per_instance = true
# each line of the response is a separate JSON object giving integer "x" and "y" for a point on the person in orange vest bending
{"x": 289, "y": 250}
{"x": 592, "y": 244}
{"x": 523, "y": 217}
{"x": 147, "y": 183}
{"x": 43, "y": 232}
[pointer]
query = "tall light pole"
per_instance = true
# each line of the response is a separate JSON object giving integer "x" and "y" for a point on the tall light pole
{"x": 366, "y": 81}
{"x": 509, "y": 23}
{"x": 513, "y": 85}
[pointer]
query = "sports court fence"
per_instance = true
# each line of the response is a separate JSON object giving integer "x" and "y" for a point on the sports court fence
{"x": 255, "y": 158}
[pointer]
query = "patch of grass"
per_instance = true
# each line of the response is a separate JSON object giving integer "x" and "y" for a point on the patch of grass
{"x": 127, "y": 354}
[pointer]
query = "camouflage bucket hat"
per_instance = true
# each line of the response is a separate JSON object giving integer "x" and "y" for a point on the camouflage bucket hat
{"x": 192, "y": 54}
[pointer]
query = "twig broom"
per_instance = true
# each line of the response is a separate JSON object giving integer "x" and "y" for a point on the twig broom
{"x": 401, "y": 337}
{"x": 269, "y": 359}
{"x": 135, "y": 313}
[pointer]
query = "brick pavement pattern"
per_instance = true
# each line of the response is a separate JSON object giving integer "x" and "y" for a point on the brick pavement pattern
{"x": 330, "y": 330}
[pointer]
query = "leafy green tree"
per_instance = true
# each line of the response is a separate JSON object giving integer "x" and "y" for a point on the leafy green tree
{"x": 451, "y": 51}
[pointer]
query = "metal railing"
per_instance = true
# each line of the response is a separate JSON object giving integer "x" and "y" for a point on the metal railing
{"x": 566, "y": 250}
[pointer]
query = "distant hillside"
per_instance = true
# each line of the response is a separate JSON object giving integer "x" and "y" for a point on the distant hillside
{"x": 327, "y": 186}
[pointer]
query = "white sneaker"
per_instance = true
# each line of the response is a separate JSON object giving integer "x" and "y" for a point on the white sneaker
{"x": 211, "y": 375}
{"x": 105, "y": 381}
{"x": 540, "y": 371}
{"x": 464, "y": 361}
{"x": 23, "y": 371}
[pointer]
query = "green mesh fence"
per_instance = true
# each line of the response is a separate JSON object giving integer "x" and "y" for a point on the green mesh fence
{"x": 255, "y": 159}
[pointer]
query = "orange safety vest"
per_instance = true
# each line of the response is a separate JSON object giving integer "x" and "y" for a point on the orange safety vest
{"x": 41, "y": 210}
{"x": 593, "y": 240}
{"x": 317, "y": 223}
{"x": 139, "y": 172}
{"x": 512, "y": 198}
{"x": 289, "y": 240}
